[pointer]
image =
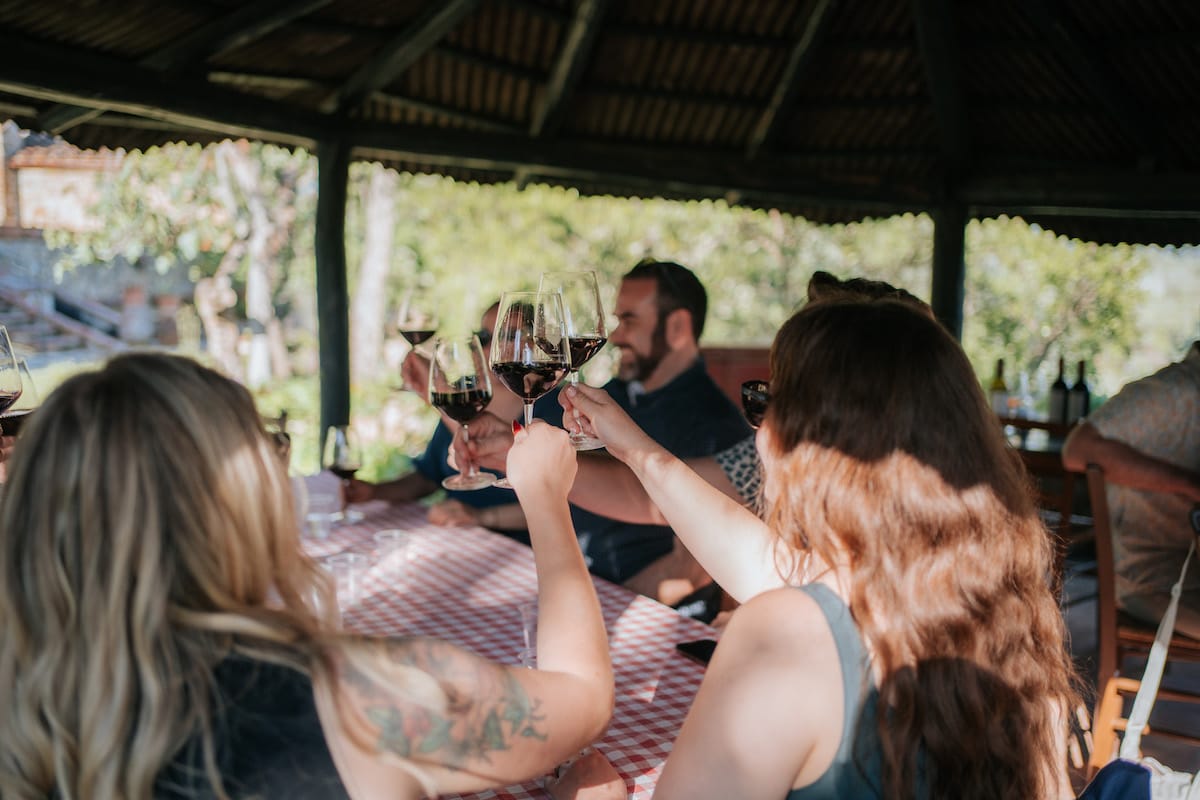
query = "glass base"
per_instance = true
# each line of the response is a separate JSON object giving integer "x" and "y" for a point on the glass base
{"x": 503, "y": 484}
{"x": 581, "y": 441}
{"x": 465, "y": 483}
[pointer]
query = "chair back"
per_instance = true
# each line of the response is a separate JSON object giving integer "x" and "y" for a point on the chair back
{"x": 1106, "y": 577}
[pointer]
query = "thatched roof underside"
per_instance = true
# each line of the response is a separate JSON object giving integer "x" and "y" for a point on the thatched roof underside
{"x": 1081, "y": 115}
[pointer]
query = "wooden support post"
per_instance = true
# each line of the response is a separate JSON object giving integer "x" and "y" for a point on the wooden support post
{"x": 333, "y": 318}
{"x": 949, "y": 265}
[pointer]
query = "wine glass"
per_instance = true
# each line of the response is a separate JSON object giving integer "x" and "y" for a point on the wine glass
{"x": 530, "y": 354}
{"x": 586, "y": 332}
{"x": 415, "y": 321}
{"x": 460, "y": 386}
{"x": 10, "y": 373}
{"x": 343, "y": 456}
{"x": 29, "y": 393}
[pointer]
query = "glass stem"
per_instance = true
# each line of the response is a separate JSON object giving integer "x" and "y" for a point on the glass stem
{"x": 528, "y": 414}
{"x": 471, "y": 472}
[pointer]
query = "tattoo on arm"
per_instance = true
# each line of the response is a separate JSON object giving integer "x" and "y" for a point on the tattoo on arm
{"x": 485, "y": 708}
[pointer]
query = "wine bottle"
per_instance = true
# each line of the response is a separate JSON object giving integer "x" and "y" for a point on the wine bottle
{"x": 1079, "y": 398}
{"x": 1058, "y": 396}
{"x": 998, "y": 392}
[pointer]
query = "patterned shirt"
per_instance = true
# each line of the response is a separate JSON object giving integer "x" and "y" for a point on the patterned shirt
{"x": 742, "y": 466}
{"x": 1160, "y": 416}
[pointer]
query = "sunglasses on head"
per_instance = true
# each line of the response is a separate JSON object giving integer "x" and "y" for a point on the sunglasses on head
{"x": 756, "y": 395}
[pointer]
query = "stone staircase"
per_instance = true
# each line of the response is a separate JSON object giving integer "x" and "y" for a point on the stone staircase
{"x": 43, "y": 334}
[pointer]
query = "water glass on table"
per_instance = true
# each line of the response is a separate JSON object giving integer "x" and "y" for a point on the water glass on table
{"x": 349, "y": 571}
{"x": 391, "y": 548}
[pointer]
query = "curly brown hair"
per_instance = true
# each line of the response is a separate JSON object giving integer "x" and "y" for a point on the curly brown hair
{"x": 884, "y": 458}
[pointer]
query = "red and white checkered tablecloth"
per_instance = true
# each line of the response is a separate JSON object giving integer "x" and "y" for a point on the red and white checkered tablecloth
{"x": 463, "y": 585}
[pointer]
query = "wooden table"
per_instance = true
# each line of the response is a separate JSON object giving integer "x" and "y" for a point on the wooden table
{"x": 463, "y": 585}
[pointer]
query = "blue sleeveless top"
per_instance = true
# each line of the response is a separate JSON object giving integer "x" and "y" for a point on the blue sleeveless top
{"x": 857, "y": 768}
{"x": 268, "y": 739}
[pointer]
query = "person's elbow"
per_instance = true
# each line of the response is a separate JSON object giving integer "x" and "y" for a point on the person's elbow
{"x": 597, "y": 704}
{"x": 1080, "y": 448}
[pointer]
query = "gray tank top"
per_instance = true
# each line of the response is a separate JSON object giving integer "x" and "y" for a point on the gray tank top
{"x": 857, "y": 768}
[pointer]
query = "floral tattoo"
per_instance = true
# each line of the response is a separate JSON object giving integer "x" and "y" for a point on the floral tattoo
{"x": 485, "y": 709}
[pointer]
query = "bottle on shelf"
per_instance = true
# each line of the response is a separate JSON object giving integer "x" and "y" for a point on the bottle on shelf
{"x": 1079, "y": 398}
{"x": 998, "y": 391}
{"x": 1058, "y": 396}
{"x": 1024, "y": 397}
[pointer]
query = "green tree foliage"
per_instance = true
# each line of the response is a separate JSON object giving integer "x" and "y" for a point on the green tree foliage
{"x": 1033, "y": 297}
{"x": 1030, "y": 297}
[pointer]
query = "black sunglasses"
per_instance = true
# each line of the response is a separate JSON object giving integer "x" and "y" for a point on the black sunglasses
{"x": 756, "y": 395}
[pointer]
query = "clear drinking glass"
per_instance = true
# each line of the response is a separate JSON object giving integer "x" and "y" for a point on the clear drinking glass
{"x": 460, "y": 386}
{"x": 530, "y": 354}
{"x": 586, "y": 330}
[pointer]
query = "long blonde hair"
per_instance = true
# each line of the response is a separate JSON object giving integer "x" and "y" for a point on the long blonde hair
{"x": 884, "y": 458}
{"x": 147, "y": 531}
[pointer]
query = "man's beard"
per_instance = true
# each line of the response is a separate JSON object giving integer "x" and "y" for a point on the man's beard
{"x": 643, "y": 366}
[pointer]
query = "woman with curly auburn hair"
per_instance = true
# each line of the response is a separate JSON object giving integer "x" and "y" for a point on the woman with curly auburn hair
{"x": 158, "y": 631}
{"x": 903, "y": 641}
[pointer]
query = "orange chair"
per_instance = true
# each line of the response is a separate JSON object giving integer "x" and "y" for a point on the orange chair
{"x": 1119, "y": 635}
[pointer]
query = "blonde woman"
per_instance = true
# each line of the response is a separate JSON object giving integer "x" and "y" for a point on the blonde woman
{"x": 899, "y": 638}
{"x": 159, "y": 637}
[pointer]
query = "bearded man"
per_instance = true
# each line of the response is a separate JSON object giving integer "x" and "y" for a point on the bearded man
{"x": 663, "y": 384}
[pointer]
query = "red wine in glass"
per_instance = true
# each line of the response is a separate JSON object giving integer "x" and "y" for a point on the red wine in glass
{"x": 530, "y": 353}
{"x": 460, "y": 386}
{"x": 7, "y": 399}
{"x": 461, "y": 406}
{"x": 529, "y": 381}
{"x": 586, "y": 330}
{"x": 583, "y": 348}
{"x": 417, "y": 336}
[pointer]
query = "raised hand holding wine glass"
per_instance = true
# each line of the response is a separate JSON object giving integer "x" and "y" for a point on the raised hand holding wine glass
{"x": 530, "y": 354}
{"x": 586, "y": 330}
{"x": 460, "y": 386}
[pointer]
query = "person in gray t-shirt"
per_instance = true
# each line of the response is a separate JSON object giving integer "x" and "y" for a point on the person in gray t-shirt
{"x": 1147, "y": 440}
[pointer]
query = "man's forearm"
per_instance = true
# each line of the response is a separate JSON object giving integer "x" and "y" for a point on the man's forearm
{"x": 1125, "y": 465}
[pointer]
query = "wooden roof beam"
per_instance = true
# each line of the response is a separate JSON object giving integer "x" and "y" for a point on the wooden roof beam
{"x": 578, "y": 43}
{"x": 1130, "y": 194}
{"x": 785, "y": 90}
{"x": 1080, "y": 56}
{"x": 652, "y": 171}
{"x": 292, "y": 83}
{"x": 58, "y": 74}
{"x": 394, "y": 57}
{"x": 230, "y": 31}
{"x": 937, "y": 39}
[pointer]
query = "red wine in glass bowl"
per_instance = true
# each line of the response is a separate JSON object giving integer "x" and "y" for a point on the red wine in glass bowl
{"x": 460, "y": 386}
{"x": 7, "y": 399}
{"x": 417, "y": 336}
{"x": 586, "y": 329}
{"x": 461, "y": 406}
{"x": 529, "y": 381}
